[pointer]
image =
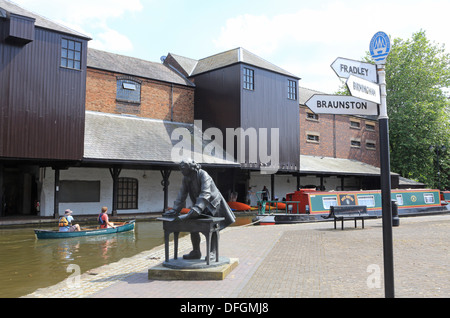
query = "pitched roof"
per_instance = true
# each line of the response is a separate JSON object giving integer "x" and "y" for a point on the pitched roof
{"x": 135, "y": 67}
{"x": 326, "y": 165}
{"x": 227, "y": 58}
{"x": 40, "y": 21}
{"x": 123, "y": 138}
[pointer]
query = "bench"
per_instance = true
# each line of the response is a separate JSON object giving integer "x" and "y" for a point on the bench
{"x": 206, "y": 226}
{"x": 347, "y": 212}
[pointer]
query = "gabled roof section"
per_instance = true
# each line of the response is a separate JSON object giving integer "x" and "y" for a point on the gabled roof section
{"x": 40, "y": 21}
{"x": 135, "y": 67}
{"x": 239, "y": 55}
{"x": 130, "y": 139}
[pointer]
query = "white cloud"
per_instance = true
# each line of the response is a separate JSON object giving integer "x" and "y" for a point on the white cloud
{"x": 90, "y": 17}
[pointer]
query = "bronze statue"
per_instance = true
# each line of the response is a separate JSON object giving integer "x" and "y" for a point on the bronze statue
{"x": 207, "y": 199}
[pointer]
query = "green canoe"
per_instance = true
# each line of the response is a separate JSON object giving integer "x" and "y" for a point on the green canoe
{"x": 52, "y": 234}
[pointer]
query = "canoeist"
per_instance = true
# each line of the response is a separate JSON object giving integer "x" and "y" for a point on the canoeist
{"x": 65, "y": 222}
{"x": 103, "y": 219}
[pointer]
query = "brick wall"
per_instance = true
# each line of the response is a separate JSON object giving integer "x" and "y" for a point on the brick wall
{"x": 156, "y": 98}
{"x": 335, "y": 134}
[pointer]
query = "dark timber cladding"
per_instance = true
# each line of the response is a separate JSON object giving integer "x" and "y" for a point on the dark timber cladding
{"x": 222, "y": 102}
{"x": 42, "y": 105}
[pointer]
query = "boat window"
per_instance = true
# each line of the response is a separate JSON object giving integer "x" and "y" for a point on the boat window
{"x": 399, "y": 199}
{"x": 428, "y": 197}
{"x": 367, "y": 200}
{"x": 329, "y": 201}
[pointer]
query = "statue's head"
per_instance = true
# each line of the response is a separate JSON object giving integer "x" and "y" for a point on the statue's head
{"x": 187, "y": 166}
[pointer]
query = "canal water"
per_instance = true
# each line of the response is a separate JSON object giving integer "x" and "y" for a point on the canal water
{"x": 27, "y": 264}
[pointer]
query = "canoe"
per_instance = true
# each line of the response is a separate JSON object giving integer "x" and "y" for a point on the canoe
{"x": 238, "y": 206}
{"x": 53, "y": 234}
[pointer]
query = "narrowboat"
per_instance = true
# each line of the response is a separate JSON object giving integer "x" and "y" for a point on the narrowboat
{"x": 308, "y": 205}
{"x": 55, "y": 234}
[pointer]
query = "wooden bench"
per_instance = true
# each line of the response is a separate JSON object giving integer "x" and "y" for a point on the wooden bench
{"x": 347, "y": 212}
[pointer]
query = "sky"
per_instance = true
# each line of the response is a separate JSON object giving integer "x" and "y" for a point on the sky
{"x": 303, "y": 37}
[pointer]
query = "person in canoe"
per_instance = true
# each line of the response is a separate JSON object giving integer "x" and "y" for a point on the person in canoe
{"x": 207, "y": 200}
{"x": 65, "y": 222}
{"x": 103, "y": 219}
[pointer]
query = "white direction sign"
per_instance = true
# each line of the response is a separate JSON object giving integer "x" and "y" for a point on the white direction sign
{"x": 341, "y": 105}
{"x": 363, "y": 89}
{"x": 345, "y": 67}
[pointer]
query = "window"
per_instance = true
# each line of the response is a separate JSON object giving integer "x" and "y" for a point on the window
{"x": 312, "y": 116}
{"x": 367, "y": 200}
{"x": 399, "y": 199}
{"x": 249, "y": 79}
{"x": 429, "y": 198}
{"x": 355, "y": 124}
{"x": 312, "y": 138}
{"x": 371, "y": 145}
{"x": 127, "y": 194}
{"x": 355, "y": 143}
{"x": 71, "y": 54}
{"x": 292, "y": 90}
{"x": 329, "y": 201}
{"x": 128, "y": 90}
{"x": 370, "y": 127}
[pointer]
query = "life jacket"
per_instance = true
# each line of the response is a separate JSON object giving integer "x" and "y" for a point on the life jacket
{"x": 100, "y": 220}
{"x": 63, "y": 222}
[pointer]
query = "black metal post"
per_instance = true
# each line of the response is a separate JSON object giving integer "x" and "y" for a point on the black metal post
{"x": 388, "y": 254}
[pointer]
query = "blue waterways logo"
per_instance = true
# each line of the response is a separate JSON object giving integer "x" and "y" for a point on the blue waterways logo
{"x": 380, "y": 45}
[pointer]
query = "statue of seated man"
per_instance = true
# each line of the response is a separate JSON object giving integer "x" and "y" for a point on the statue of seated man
{"x": 208, "y": 202}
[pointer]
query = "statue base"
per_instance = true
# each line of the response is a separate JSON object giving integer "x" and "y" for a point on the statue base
{"x": 181, "y": 269}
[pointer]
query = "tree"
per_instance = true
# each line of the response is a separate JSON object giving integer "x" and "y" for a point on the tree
{"x": 417, "y": 72}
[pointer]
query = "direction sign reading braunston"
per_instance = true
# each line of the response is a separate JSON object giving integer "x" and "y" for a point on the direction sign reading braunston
{"x": 345, "y": 67}
{"x": 363, "y": 89}
{"x": 341, "y": 105}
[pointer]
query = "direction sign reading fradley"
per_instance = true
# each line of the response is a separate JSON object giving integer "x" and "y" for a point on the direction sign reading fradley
{"x": 346, "y": 67}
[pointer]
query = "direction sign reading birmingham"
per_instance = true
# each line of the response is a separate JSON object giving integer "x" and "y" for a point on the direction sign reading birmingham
{"x": 363, "y": 89}
{"x": 345, "y": 67}
{"x": 341, "y": 105}
{"x": 380, "y": 46}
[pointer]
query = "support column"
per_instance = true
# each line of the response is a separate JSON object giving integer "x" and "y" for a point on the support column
{"x": 56, "y": 195}
{"x": 165, "y": 183}
{"x": 115, "y": 172}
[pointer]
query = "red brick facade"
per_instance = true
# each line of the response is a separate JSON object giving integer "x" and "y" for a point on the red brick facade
{"x": 157, "y": 98}
{"x": 338, "y": 136}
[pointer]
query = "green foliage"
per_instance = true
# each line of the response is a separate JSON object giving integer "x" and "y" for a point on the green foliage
{"x": 417, "y": 72}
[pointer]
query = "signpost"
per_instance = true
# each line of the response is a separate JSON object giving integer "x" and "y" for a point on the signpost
{"x": 379, "y": 50}
{"x": 367, "y": 93}
{"x": 341, "y": 105}
{"x": 345, "y": 67}
{"x": 363, "y": 89}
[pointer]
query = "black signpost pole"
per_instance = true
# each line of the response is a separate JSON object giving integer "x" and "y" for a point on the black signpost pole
{"x": 388, "y": 254}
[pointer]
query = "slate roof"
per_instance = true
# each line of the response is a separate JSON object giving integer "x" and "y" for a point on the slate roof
{"x": 227, "y": 58}
{"x": 124, "y": 138}
{"x": 40, "y": 21}
{"x": 326, "y": 165}
{"x": 135, "y": 67}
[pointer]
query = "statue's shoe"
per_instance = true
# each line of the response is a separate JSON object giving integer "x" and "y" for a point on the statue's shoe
{"x": 193, "y": 255}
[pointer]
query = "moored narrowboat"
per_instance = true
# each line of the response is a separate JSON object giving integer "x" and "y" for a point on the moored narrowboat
{"x": 308, "y": 205}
